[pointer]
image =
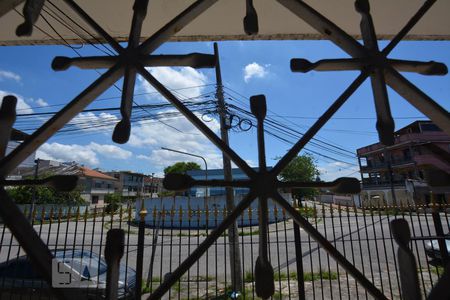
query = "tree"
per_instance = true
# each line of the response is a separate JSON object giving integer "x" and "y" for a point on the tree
{"x": 181, "y": 167}
{"x": 45, "y": 195}
{"x": 113, "y": 202}
{"x": 301, "y": 168}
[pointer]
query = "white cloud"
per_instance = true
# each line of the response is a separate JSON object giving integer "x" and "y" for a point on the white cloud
{"x": 84, "y": 154}
{"x": 103, "y": 122}
{"x": 153, "y": 135}
{"x": 41, "y": 102}
{"x": 189, "y": 80}
{"x": 22, "y": 107}
{"x": 334, "y": 170}
{"x": 111, "y": 151}
{"x": 60, "y": 152}
{"x": 254, "y": 70}
{"x": 9, "y": 75}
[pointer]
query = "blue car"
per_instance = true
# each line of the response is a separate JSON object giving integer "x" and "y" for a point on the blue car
{"x": 80, "y": 271}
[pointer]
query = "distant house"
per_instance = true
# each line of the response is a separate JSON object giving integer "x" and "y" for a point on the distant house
{"x": 95, "y": 186}
{"x": 420, "y": 164}
{"x": 16, "y": 139}
{"x": 152, "y": 186}
{"x": 131, "y": 184}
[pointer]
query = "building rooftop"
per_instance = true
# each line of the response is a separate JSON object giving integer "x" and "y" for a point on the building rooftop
{"x": 95, "y": 174}
{"x": 420, "y": 131}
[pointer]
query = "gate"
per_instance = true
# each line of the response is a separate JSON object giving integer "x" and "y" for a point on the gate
{"x": 263, "y": 183}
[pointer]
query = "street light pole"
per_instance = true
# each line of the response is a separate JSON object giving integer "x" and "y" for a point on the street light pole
{"x": 195, "y": 155}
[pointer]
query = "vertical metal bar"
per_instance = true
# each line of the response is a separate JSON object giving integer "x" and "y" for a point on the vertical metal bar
{"x": 319, "y": 255}
{"x": 162, "y": 222}
{"x": 101, "y": 241}
{"x": 129, "y": 219}
{"x": 250, "y": 218}
{"x": 189, "y": 213}
{"x": 286, "y": 253}
{"x": 311, "y": 268}
{"x": 343, "y": 244}
{"x": 376, "y": 248}
{"x": 275, "y": 212}
{"x": 94, "y": 221}
{"x": 397, "y": 276}
{"x": 368, "y": 244}
{"x": 66, "y": 233}
{"x": 179, "y": 253}
{"x": 439, "y": 231}
{"x": 115, "y": 240}
{"x": 155, "y": 232}
{"x": 324, "y": 217}
{"x": 242, "y": 247}
{"x": 380, "y": 222}
{"x": 41, "y": 224}
{"x": 423, "y": 242}
{"x": 140, "y": 249}
{"x": 172, "y": 215}
{"x": 216, "y": 214}
{"x": 355, "y": 210}
{"x": 224, "y": 212}
{"x": 1, "y": 247}
{"x": 299, "y": 259}
{"x": 335, "y": 245}
{"x": 198, "y": 243}
{"x": 207, "y": 251}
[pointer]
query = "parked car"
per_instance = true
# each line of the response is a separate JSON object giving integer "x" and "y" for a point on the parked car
{"x": 432, "y": 248}
{"x": 83, "y": 272}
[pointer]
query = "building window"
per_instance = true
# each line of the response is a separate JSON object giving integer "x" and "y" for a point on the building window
{"x": 94, "y": 199}
{"x": 98, "y": 185}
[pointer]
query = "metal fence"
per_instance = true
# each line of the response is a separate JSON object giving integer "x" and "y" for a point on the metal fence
{"x": 302, "y": 269}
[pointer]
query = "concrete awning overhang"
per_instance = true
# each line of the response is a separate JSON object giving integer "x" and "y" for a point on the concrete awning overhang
{"x": 222, "y": 21}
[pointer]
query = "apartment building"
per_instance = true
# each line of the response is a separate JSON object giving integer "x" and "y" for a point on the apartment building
{"x": 415, "y": 170}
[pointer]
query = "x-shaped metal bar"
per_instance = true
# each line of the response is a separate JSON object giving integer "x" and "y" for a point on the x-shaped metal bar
{"x": 381, "y": 69}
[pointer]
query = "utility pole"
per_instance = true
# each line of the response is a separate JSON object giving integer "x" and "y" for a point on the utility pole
{"x": 233, "y": 235}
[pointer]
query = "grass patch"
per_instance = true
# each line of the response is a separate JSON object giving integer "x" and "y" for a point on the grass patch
{"x": 436, "y": 270}
{"x": 307, "y": 212}
{"x": 308, "y": 276}
{"x": 312, "y": 276}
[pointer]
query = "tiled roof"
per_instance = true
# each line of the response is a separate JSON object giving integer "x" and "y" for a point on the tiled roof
{"x": 96, "y": 174}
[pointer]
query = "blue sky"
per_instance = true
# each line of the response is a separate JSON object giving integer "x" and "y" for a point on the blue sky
{"x": 294, "y": 101}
